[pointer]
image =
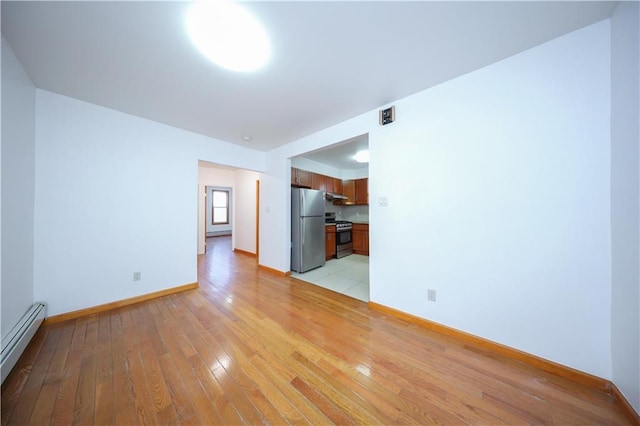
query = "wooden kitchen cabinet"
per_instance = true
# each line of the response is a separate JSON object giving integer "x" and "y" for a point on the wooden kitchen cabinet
{"x": 334, "y": 185}
{"x": 360, "y": 236}
{"x": 356, "y": 191}
{"x": 330, "y": 241}
{"x": 349, "y": 191}
{"x": 301, "y": 178}
{"x": 319, "y": 182}
{"x": 306, "y": 179}
{"x": 362, "y": 192}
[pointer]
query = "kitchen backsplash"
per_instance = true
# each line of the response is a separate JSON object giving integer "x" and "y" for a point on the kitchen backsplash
{"x": 350, "y": 213}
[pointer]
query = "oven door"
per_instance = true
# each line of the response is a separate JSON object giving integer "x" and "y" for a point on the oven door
{"x": 343, "y": 237}
{"x": 344, "y": 244}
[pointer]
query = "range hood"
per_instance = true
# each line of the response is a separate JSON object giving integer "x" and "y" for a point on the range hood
{"x": 331, "y": 196}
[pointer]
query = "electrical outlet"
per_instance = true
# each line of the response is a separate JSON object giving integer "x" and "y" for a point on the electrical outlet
{"x": 431, "y": 295}
{"x": 137, "y": 276}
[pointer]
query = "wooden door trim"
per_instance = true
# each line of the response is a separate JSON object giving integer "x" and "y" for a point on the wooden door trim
{"x": 257, "y": 219}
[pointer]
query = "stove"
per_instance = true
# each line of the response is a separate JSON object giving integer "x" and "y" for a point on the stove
{"x": 343, "y": 225}
{"x": 344, "y": 242}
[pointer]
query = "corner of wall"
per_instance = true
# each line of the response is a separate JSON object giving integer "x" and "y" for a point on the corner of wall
{"x": 625, "y": 201}
{"x": 18, "y": 188}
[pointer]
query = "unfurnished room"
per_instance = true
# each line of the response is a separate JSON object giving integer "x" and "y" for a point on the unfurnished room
{"x": 320, "y": 212}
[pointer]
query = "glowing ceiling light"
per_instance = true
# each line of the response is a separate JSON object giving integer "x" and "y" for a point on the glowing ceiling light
{"x": 362, "y": 156}
{"x": 228, "y": 35}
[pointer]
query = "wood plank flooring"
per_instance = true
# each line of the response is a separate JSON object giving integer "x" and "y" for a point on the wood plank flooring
{"x": 249, "y": 347}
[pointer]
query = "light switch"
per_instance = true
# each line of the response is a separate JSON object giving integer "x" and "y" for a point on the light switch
{"x": 383, "y": 202}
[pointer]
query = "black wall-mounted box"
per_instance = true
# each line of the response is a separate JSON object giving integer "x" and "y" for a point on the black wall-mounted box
{"x": 387, "y": 115}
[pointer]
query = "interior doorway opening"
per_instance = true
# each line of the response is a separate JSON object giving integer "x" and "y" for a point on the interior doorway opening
{"x": 340, "y": 171}
{"x": 227, "y": 205}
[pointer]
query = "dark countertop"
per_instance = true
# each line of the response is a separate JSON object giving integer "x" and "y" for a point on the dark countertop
{"x": 360, "y": 222}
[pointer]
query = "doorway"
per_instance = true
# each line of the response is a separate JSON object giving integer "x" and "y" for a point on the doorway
{"x": 341, "y": 161}
{"x": 235, "y": 202}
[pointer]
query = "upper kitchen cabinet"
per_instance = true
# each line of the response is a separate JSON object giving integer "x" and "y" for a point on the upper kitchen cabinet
{"x": 349, "y": 191}
{"x": 356, "y": 191}
{"x": 362, "y": 191}
{"x": 301, "y": 178}
{"x": 319, "y": 182}
{"x": 334, "y": 185}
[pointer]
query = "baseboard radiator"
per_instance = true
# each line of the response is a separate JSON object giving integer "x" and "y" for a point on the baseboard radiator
{"x": 218, "y": 233}
{"x": 19, "y": 337}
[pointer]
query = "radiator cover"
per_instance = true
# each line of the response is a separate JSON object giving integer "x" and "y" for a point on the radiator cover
{"x": 19, "y": 337}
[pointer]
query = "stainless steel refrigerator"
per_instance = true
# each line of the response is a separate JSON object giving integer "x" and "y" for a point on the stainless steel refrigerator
{"x": 307, "y": 229}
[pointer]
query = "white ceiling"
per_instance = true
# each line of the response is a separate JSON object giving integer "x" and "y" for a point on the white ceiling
{"x": 331, "y": 60}
{"x": 340, "y": 155}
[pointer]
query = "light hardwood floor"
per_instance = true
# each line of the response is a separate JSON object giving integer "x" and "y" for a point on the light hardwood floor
{"x": 250, "y": 347}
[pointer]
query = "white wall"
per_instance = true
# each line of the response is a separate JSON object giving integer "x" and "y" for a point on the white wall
{"x": 275, "y": 214}
{"x": 355, "y": 173}
{"x": 116, "y": 194}
{"x": 18, "y": 183}
{"x": 244, "y": 231}
{"x": 625, "y": 200}
{"x": 508, "y": 214}
{"x": 323, "y": 169}
{"x": 354, "y": 214}
{"x": 509, "y": 217}
{"x": 315, "y": 167}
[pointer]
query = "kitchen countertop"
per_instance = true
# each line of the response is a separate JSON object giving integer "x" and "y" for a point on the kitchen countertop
{"x": 360, "y": 222}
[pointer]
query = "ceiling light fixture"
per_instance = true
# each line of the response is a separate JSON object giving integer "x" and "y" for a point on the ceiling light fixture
{"x": 247, "y": 138}
{"x": 228, "y": 35}
{"x": 362, "y": 156}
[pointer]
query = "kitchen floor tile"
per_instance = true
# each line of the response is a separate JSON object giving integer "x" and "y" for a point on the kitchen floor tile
{"x": 348, "y": 275}
{"x": 359, "y": 291}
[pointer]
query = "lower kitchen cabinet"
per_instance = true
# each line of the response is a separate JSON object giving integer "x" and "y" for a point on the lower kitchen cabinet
{"x": 330, "y": 242}
{"x": 360, "y": 236}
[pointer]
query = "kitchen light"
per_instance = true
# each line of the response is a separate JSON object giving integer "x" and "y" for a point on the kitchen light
{"x": 362, "y": 156}
{"x": 228, "y": 35}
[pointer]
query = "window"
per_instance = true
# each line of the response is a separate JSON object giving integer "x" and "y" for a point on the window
{"x": 220, "y": 214}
